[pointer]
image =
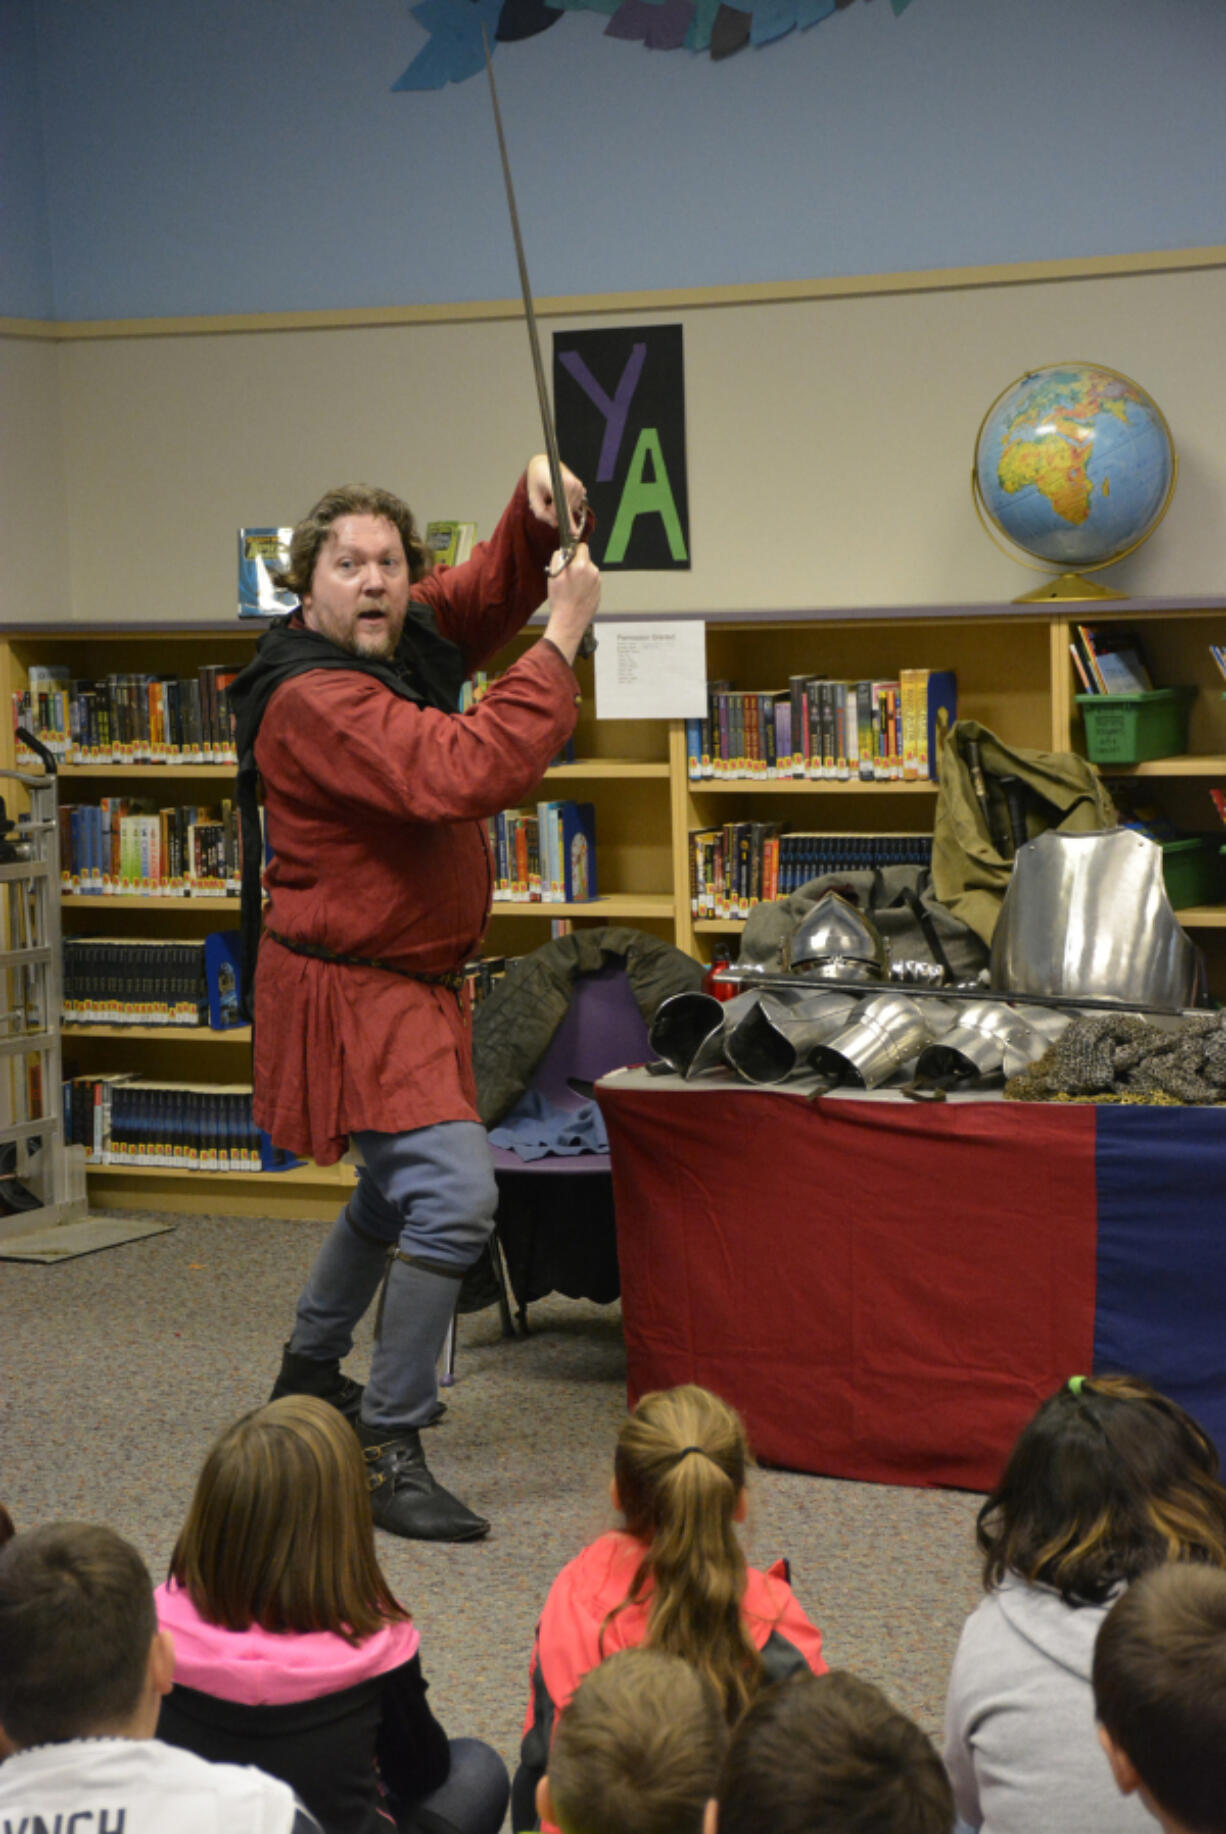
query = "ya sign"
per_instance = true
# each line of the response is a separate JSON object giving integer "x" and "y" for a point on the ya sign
{"x": 619, "y": 403}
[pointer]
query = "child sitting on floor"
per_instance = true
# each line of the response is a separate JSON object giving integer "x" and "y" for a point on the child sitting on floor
{"x": 673, "y": 1578}
{"x": 830, "y": 1752}
{"x": 83, "y": 1668}
{"x": 1160, "y": 1695}
{"x": 637, "y": 1751}
{"x": 1108, "y": 1480}
{"x": 291, "y": 1650}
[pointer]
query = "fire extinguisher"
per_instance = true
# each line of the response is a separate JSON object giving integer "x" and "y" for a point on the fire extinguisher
{"x": 713, "y": 981}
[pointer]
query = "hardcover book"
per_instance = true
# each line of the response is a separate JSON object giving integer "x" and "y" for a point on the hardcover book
{"x": 223, "y": 954}
{"x": 578, "y": 846}
{"x": 261, "y": 553}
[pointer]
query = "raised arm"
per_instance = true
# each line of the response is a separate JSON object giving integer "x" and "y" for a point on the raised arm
{"x": 480, "y": 604}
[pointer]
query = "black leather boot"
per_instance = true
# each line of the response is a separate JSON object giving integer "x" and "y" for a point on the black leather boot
{"x": 304, "y": 1375}
{"x": 404, "y": 1498}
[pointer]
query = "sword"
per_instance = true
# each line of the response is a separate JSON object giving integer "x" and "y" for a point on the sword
{"x": 568, "y": 541}
{"x": 751, "y": 974}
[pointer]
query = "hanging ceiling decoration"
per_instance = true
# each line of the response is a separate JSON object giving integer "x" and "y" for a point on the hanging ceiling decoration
{"x": 454, "y": 51}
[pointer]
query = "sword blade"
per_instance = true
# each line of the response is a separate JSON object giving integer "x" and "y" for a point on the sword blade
{"x": 566, "y": 539}
{"x": 751, "y": 975}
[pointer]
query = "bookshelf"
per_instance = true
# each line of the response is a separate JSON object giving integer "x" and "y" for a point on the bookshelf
{"x": 623, "y": 767}
{"x": 1014, "y": 675}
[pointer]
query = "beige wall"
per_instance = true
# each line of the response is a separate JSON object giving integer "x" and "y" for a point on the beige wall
{"x": 34, "y": 547}
{"x": 830, "y": 441}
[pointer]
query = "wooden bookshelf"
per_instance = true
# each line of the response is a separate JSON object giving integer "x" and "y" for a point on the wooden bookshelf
{"x": 1014, "y": 675}
{"x": 623, "y": 766}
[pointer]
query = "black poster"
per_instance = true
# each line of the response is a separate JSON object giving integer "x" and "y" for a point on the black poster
{"x": 619, "y": 401}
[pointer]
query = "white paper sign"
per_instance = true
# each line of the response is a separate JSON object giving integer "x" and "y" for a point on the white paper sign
{"x": 651, "y": 669}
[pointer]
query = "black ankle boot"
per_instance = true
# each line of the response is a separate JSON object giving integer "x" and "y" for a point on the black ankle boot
{"x": 305, "y": 1375}
{"x": 404, "y": 1498}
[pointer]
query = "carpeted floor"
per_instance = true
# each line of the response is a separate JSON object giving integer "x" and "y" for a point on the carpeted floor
{"x": 117, "y": 1370}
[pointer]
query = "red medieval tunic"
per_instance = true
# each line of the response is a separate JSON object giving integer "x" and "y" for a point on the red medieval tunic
{"x": 374, "y": 809}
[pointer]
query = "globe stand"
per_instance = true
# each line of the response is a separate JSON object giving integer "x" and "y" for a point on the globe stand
{"x": 1070, "y": 586}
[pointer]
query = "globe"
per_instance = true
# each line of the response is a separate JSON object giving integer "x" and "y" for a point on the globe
{"x": 1074, "y": 465}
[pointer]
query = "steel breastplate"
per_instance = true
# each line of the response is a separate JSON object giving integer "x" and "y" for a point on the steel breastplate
{"x": 1088, "y": 914}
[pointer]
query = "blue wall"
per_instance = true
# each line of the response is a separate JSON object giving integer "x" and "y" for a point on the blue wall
{"x": 249, "y": 155}
{"x": 25, "y": 251}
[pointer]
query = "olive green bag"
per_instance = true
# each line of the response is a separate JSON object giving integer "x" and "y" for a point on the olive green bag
{"x": 969, "y": 874}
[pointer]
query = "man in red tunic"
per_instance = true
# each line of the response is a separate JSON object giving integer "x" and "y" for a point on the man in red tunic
{"x": 379, "y": 891}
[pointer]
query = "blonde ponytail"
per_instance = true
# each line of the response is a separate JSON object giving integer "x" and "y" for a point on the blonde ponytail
{"x": 680, "y": 1468}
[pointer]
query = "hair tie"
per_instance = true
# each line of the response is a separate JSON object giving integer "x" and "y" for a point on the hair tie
{"x": 686, "y": 1450}
{"x": 1076, "y": 1384}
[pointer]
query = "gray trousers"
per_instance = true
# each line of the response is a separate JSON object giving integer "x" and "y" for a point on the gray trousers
{"x": 426, "y": 1199}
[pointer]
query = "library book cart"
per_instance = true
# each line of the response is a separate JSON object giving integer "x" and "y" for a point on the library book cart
{"x": 1014, "y": 675}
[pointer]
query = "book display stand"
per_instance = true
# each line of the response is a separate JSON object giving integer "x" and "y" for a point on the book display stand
{"x": 44, "y": 1179}
{"x": 1014, "y": 675}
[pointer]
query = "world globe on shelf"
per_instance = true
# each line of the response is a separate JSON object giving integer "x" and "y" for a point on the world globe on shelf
{"x": 1074, "y": 465}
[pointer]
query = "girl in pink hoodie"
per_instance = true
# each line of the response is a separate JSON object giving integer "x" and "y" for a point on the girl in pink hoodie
{"x": 291, "y": 1652}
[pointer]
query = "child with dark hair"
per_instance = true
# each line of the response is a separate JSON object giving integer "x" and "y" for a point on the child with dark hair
{"x": 293, "y": 1650}
{"x": 831, "y": 1752}
{"x": 637, "y": 1751}
{"x": 1109, "y": 1480}
{"x": 1160, "y": 1695}
{"x": 673, "y": 1578}
{"x": 83, "y": 1668}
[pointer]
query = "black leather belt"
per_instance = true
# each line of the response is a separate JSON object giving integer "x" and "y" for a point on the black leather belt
{"x": 452, "y": 978}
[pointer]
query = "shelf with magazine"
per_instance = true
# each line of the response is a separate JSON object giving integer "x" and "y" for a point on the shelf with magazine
{"x": 1146, "y": 705}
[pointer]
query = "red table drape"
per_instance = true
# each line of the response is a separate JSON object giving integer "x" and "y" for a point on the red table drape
{"x": 885, "y": 1291}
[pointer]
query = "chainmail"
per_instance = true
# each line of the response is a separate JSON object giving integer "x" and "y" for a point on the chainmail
{"x": 1120, "y": 1058}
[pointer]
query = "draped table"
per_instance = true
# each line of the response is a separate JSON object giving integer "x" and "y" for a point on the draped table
{"x": 886, "y": 1290}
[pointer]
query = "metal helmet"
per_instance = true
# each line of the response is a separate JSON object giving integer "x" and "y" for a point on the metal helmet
{"x": 836, "y": 942}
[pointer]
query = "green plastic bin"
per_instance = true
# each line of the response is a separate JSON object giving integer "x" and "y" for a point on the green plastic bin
{"x": 1192, "y": 871}
{"x": 1130, "y": 728}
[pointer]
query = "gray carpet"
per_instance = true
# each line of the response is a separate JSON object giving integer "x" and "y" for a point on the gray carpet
{"x": 118, "y": 1369}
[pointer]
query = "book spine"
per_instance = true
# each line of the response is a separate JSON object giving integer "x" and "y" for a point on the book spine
{"x": 909, "y": 695}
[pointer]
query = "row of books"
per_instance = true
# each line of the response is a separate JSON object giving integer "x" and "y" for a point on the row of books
{"x": 1109, "y": 660}
{"x": 874, "y": 731}
{"x": 117, "y": 980}
{"x": 545, "y": 855}
{"x": 110, "y": 980}
{"x": 190, "y": 1127}
{"x": 126, "y": 844}
{"x": 129, "y": 718}
{"x": 741, "y": 864}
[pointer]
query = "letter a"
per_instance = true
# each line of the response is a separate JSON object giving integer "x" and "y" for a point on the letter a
{"x": 641, "y": 497}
